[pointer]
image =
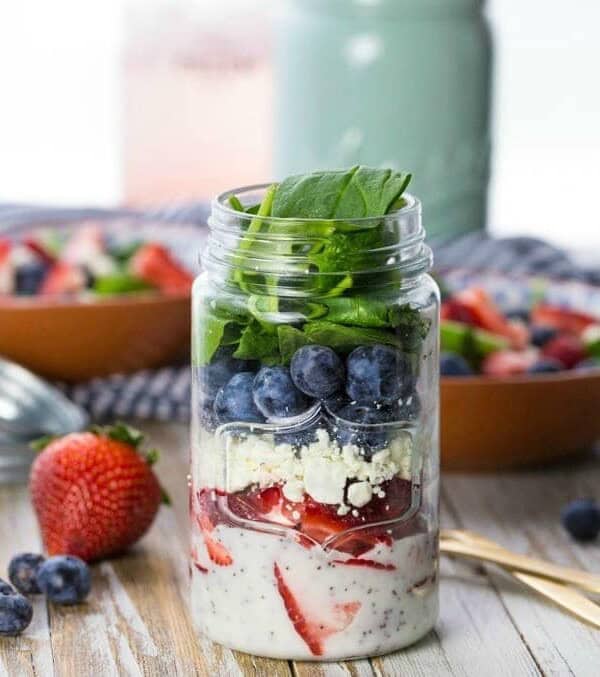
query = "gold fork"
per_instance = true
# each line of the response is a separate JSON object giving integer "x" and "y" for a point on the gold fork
{"x": 532, "y": 572}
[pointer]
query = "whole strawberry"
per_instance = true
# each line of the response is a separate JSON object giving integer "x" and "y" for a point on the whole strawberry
{"x": 94, "y": 493}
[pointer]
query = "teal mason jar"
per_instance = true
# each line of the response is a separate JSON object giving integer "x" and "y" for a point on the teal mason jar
{"x": 400, "y": 83}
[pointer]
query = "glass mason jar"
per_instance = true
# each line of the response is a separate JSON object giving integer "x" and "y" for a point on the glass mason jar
{"x": 315, "y": 462}
{"x": 394, "y": 83}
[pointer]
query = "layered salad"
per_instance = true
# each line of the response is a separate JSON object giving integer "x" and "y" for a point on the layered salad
{"x": 314, "y": 477}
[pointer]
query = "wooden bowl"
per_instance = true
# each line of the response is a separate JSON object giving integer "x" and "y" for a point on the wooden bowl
{"x": 77, "y": 340}
{"x": 494, "y": 424}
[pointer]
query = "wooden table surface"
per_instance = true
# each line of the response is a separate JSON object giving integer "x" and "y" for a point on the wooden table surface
{"x": 136, "y": 620}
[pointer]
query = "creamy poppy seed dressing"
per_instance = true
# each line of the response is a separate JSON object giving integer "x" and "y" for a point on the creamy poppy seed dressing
{"x": 314, "y": 485}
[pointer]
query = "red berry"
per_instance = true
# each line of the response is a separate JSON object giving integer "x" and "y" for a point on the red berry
{"x": 63, "y": 278}
{"x": 94, "y": 495}
{"x": 508, "y": 362}
{"x": 568, "y": 349}
{"x": 154, "y": 264}
{"x": 562, "y": 319}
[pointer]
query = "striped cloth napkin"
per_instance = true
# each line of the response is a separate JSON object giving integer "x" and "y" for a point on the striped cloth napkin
{"x": 164, "y": 394}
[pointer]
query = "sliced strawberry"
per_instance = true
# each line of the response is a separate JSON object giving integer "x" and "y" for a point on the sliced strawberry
{"x": 312, "y": 631}
{"x": 154, "y": 264}
{"x": 217, "y": 552}
{"x": 63, "y": 278}
{"x": 474, "y": 306}
{"x": 562, "y": 319}
{"x": 508, "y": 362}
{"x": 568, "y": 349}
{"x": 85, "y": 244}
{"x": 321, "y": 522}
{"x": 368, "y": 563}
{"x": 7, "y": 276}
{"x": 200, "y": 568}
{"x": 265, "y": 505}
{"x": 40, "y": 250}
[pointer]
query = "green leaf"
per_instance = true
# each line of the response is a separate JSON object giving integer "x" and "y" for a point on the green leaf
{"x": 119, "y": 283}
{"x": 152, "y": 456}
{"x": 290, "y": 340}
{"x": 410, "y": 325}
{"x": 212, "y": 330}
{"x": 259, "y": 342}
{"x": 165, "y": 499}
{"x": 122, "y": 433}
{"x": 42, "y": 442}
{"x": 352, "y": 193}
{"x": 235, "y": 203}
{"x": 358, "y": 310}
{"x": 345, "y": 339}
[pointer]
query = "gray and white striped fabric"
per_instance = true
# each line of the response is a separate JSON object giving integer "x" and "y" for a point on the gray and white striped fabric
{"x": 164, "y": 394}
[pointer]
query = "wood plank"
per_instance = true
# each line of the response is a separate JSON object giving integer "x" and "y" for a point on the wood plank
{"x": 521, "y": 511}
{"x": 31, "y": 653}
{"x": 474, "y": 634}
{"x": 361, "y": 668}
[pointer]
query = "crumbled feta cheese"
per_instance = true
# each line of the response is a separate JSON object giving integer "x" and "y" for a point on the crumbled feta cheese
{"x": 322, "y": 470}
{"x": 293, "y": 490}
{"x": 359, "y": 494}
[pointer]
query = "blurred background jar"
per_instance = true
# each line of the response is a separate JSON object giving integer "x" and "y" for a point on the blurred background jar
{"x": 401, "y": 83}
{"x": 197, "y": 113}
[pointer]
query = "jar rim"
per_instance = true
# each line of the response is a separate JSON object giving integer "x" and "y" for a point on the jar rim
{"x": 412, "y": 208}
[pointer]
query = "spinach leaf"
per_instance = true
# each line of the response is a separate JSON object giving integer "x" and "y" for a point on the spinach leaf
{"x": 353, "y": 193}
{"x": 359, "y": 311}
{"x": 259, "y": 342}
{"x": 212, "y": 328}
{"x": 290, "y": 340}
{"x": 409, "y": 324}
{"x": 345, "y": 339}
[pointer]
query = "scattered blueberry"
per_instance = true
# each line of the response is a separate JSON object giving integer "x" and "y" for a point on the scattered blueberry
{"x": 22, "y": 572}
{"x": 221, "y": 370}
{"x": 452, "y": 364}
{"x": 64, "y": 579}
{"x": 581, "y": 518}
{"x": 5, "y": 588}
{"x": 520, "y": 314}
{"x": 29, "y": 277}
{"x": 361, "y": 426}
{"x": 378, "y": 374}
{"x": 545, "y": 365}
{"x": 275, "y": 394}
{"x": 234, "y": 401}
{"x": 317, "y": 371}
{"x": 540, "y": 334}
{"x": 16, "y": 613}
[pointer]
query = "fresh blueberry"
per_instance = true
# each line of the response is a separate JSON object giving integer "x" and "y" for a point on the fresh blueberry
{"x": 545, "y": 365}
{"x": 378, "y": 374}
{"x": 5, "y": 588}
{"x": 276, "y": 395}
{"x": 334, "y": 403}
{"x": 29, "y": 277}
{"x": 520, "y": 314}
{"x": 361, "y": 426}
{"x": 22, "y": 572}
{"x": 581, "y": 518}
{"x": 452, "y": 364}
{"x": 235, "y": 402}
{"x": 317, "y": 371}
{"x": 65, "y": 579}
{"x": 221, "y": 370}
{"x": 16, "y": 613}
{"x": 540, "y": 334}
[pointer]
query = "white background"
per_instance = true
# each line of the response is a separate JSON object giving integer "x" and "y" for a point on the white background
{"x": 60, "y": 101}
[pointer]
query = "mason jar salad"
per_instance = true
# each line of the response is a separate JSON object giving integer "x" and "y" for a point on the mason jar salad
{"x": 315, "y": 462}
